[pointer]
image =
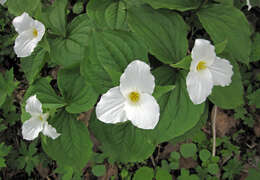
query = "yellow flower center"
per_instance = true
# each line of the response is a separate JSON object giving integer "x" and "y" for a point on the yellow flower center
{"x": 35, "y": 32}
{"x": 134, "y": 96}
{"x": 201, "y": 65}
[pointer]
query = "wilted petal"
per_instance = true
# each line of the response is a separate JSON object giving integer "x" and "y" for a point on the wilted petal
{"x": 23, "y": 23}
{"x": 137, "y": 76}
{"x": 221, "y": 71}
{"x": 50, "y": 131}
{"x": 31, "y": 128}
{"x": 33, "y": 106}
{"x": 202, "y": 51}
{"x": 24, "y": 44}
{"x": 110, "y": 108}
{"x": 199, "y": 86}
{"x": 145, "y": 114}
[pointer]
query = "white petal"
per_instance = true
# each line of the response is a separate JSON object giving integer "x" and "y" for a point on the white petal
{"x": 23, "y": 23}
{"x": 248, "y": 4}
{"x": 199, "y": 85}
{"x": 33, "y": 106}
{"x": 2, "y": 2}
{"x": 25, "y": 44}
{"x": 137, "y": 76}
{"x": 221, "y": 71}
{"x": 145, "y": 114}
{"x": 50, "y": 131}
{"x": 40, "y": 29}
{"x": 202, "y": 51}
{"x": 110, "y": 108}
{"x": 31, "y": 128}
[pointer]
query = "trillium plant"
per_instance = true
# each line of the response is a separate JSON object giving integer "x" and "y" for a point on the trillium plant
{"x": 140, "y": 73}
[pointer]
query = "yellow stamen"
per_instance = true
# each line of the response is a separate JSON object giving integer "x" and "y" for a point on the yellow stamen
{"x": 41, "y": 118}
{"x": 134, "y": 96}
{"x": 35, "y": 32}
{"x": 201, "y": 65}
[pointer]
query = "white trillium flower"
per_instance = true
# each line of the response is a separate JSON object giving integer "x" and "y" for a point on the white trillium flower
{"x": 248, "y": 5}
{"x": 132, "y": 100}
{"x": 2, "y": 2}
{"x": 38, "y": 122}
{"x": 30, "y": 33}
{"x": 206, "y": 70}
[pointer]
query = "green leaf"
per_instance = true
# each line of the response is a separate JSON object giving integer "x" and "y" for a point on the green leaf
{"x": 188, "y": 150}
{"x": 143, "y": 173}
{"x": 175, "y": 156}
{"x": 184, "y": 63}
{"x": 78, "y": 8}
{"x": 163, "y": 174}
{"x": 7, "y": 85}
{"x": 253, "y": 174}
{"x": 228, "y": 23}
{"x": 213, "y": 169}
{"x": 108, "y": 55}
{"x": 99, "y": 170}
{"x": 180, "y": 5}
{"x": 204, "y": 155}
{"x": 17, "y": 7}
{"x": 255, "y": 54}
{"x": 234, "y": 92}
{"x": 73, "y": 147}
{"x": 122, "y": 142}
{"x": 33, "y": 64}
{"x": 70, "y": 50}
{"x": 54, "y": 17}
{"x": 163, "y": 31}
{"x": 220, "y": 47}
{"x": 161, "y": 90}
{"x": 79, "y": 96}
{"x": 254, "y": 98}
{"x": 174, "y": 119}
{"x": 108, "y": 13}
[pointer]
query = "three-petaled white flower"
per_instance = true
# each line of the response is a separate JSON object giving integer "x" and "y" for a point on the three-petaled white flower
{"x": 2, "y": 2}
{"x": 30, "y": 33}
{"x": 206, "y": 70}
{"x": 38, "y": 122}
{"x": 248, "y": 5}
{"x": 132, "y": 100}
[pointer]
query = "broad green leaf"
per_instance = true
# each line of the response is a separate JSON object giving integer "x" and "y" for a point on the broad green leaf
{"x": 228, "y": 23}
{"x": 79, "y": 96}
{"x": 180, "y": 5}
{"x": 213, "y": 169}
{"x": 54, "y": 17}
{"x": 255, "y": 54}
{"x": 73, "y": 147}
{"x": 178, "y": 114}
{"x": 183, "y": 64}
{"x": 70, "y": 50}
{"x": 226, "y": 2}
{"x": 188, "y": 150}
{"x": 254, "y": 98}
{"x": 253, "y": 174}
{"x": 108, "y": 13}
{"x": 107, "y": 57}
{"x": 231, "y": 96}
{"x": 122, "y": 142}
{"x": 144, "y": 173}
{"x": 163, "y": 31}
{"x": 33, "y": 64}
{"x": 220, "y": 47}
{"x": 17, "y": 7}
{"x": 163, "y": 174}
{"x": 161, "y": 90}
{"x": 164, "y": 75}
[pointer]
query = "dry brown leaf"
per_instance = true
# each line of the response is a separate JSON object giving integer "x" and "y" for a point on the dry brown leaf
{"x": 224, "y": 123}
